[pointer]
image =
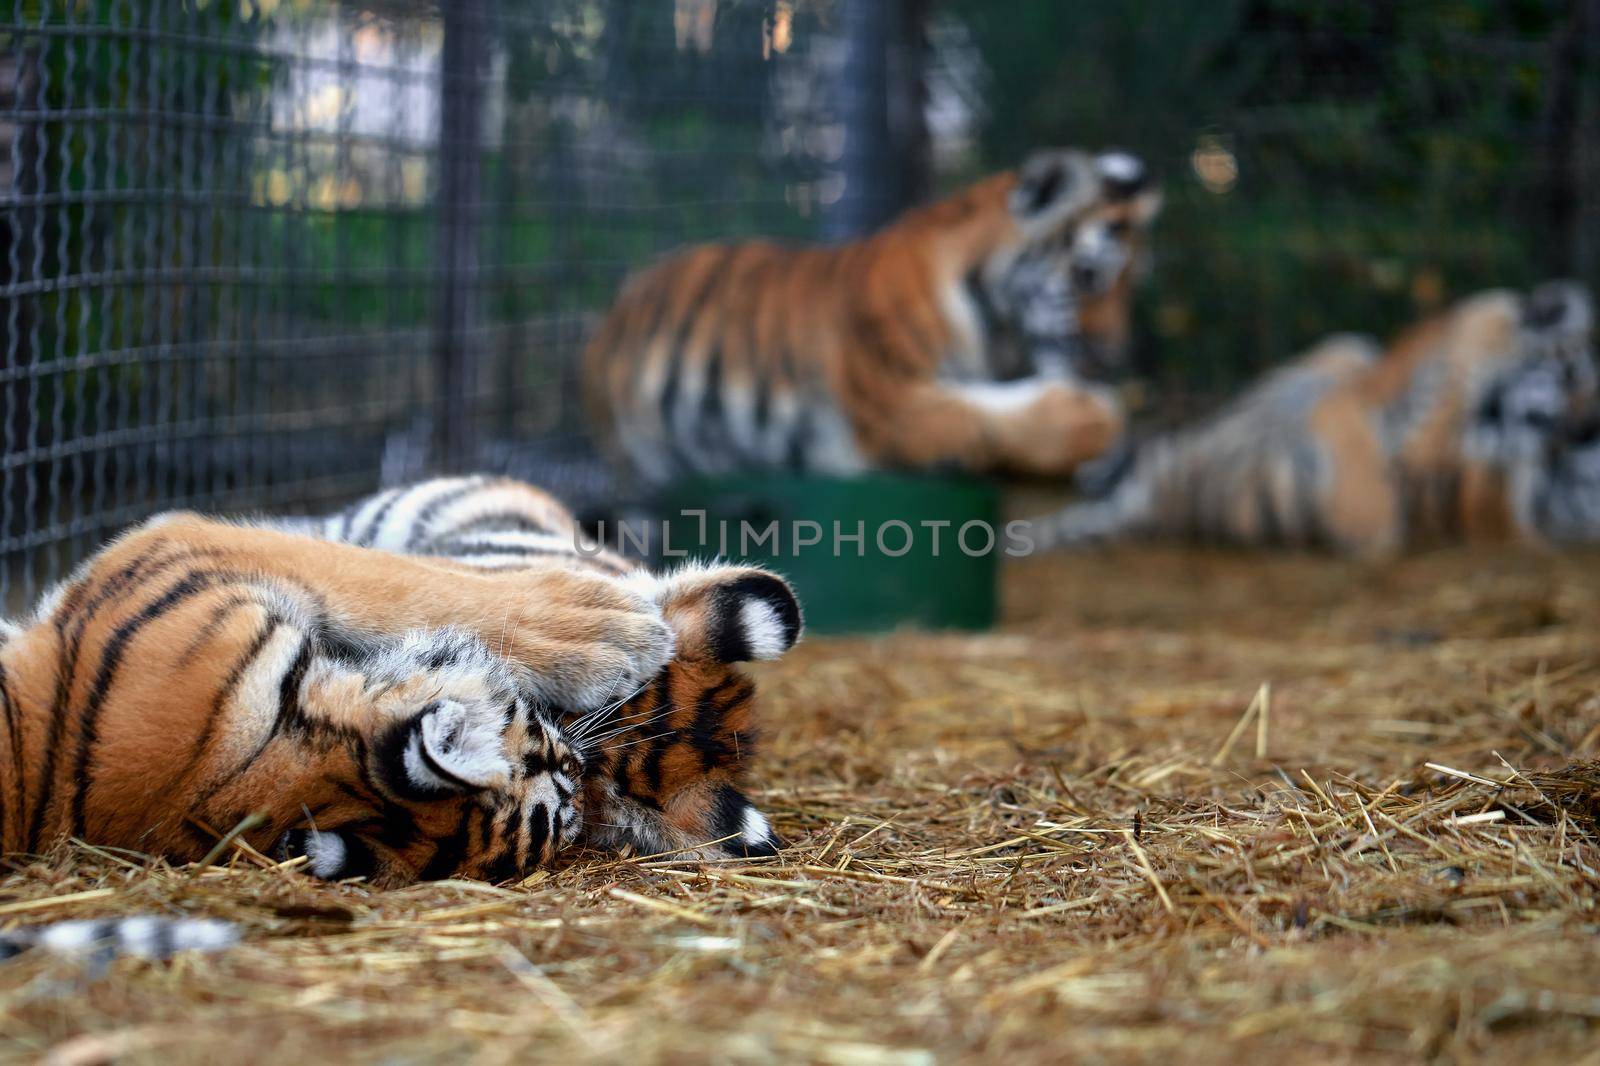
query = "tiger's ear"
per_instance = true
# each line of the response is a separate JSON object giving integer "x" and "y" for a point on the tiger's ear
{"x": 729, "y": 614}
{"x": 1053, "y": 182}
{"x": 1125, "y": 179}
{"x": 1560, "y": 307}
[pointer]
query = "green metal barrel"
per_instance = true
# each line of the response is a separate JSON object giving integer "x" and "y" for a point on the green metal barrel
{"x": 866, "y": 554}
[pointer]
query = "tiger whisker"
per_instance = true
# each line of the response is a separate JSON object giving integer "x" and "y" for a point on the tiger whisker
{"x": 591, "y": 718}
{"x": 626, "y": 728}
{"x": 589, "y": 722}
{"x": 645, "y": 740}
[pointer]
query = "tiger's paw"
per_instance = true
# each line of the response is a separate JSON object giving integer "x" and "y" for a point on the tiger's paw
{"x": 611, "y": 640}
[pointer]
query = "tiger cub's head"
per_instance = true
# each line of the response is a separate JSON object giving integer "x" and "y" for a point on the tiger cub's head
{"x": 1065, "y": 286}
{"x": 1530, "y": 365}
{"x": 666, "y": 769}
{"x": 469, "y": 777}
{"x": 1535, "y": 412}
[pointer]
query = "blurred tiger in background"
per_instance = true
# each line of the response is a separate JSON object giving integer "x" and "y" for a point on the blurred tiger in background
{"x": 383, "y": 715}
{"x": 1477, "y": 425}
{"x": 959, "y": 336}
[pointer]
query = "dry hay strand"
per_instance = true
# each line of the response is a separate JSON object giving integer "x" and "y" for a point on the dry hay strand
{"x": 1034, "y": 844}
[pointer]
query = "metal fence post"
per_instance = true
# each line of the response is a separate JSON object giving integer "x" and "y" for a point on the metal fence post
{"x": 1586, "y": 241}
{"x": 460, "y": 140}
{"x": 1560, "y": 198}
{"x": 864, "y": 164}
{"x": 885, "y": 157}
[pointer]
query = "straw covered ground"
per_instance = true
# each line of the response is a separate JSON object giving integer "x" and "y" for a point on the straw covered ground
{"x": 1092, "y": 835}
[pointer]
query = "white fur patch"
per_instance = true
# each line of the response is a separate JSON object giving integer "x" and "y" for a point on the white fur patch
{"x": 163, "y": 519}
{"x": 50, "y": 600}
{"x": 146, "y": 937}
{"x": 253, "y": 707}
{"x": 543, "y": 792}
{"x": 1096, "y": 251}
{"x": 204, "y": 934}
{"x": 764, "y": 633}
{"x": 325, "y": 853}
{"x": 1005, "y": 397}
{"x": 69, "y": 937}
{"x": 372, "y": 510}
{"x": 968, "y": 357}
{"x": 739, "y": 412}
{"x": 832, "y": 446}
{"x": 1120, "y": 166}
{"x": 756, "y": 828}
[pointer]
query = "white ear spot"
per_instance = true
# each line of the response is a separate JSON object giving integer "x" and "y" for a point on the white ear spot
{"x": 325, "y": 853}
{"x": 756, "y": 829}
{"x": 763, "y": 630}
{"x": 1120, "y": 167}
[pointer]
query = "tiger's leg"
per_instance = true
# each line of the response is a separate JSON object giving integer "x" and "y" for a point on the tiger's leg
{"x": 588, "y": 638}
{"x": 489, "y": 522}
{"x": 1360, "y": 506}
{"x": 1493, "y": 507}
{"x": 1032, "y": 426}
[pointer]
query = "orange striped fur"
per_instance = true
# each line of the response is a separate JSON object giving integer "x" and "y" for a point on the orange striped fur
{"x": 1477, "y": 425}
{"x": 386, "y": 715}
{"x": 953, "y": 337}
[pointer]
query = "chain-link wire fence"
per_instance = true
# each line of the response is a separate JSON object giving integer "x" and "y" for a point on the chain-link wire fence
{"x": 273, "y": 253}
{"x": 269, "y": 253}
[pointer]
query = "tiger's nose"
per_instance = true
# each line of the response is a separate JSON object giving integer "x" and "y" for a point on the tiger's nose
{"x": 1085, "y": 278}
{"x": 551, "y": 844}
{"x": 1122, "y": 175}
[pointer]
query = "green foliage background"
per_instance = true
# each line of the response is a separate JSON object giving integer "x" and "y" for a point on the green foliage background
{"x": 1391, "y": 154}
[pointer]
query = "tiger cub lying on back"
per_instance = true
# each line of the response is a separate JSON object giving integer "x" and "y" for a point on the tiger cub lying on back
{"x": 898, "y": 350}
{"x": 387, "y": 715}
{"x": 1477, "y": 425}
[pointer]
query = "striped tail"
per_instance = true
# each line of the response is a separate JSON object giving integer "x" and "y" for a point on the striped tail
{"x": 101, "y": 940}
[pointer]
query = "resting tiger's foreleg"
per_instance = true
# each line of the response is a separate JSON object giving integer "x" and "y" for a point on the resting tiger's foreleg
{"x": 587, "y": 638}
{"x": 1033, "y": 426}
{"x": 1359, "y": 501}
